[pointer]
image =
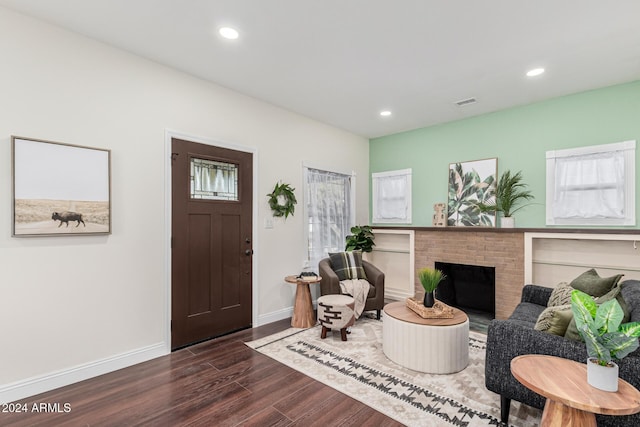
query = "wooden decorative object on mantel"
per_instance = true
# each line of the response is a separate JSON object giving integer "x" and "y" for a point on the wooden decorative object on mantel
{"x": 439, "y": 215}
{"x": 439, "y": 310}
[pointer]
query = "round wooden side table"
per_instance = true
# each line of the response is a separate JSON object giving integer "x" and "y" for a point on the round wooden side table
{"x": 303, "y": 316}
{"x": 571, "y": 401}
{"x": 436, "y": 346}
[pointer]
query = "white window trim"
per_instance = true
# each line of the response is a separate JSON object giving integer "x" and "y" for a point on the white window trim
{"x": 629, "y": 148}
{"x": 375, "y": 203}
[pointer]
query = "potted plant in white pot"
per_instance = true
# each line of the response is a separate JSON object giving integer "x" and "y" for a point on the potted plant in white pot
{"x": 510, "y": 191}
{"x": 430, "y": 279}
{"x": 605, "y": 336}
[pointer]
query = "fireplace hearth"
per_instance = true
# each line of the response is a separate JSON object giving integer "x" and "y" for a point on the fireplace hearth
{"x": 469, "y": 287}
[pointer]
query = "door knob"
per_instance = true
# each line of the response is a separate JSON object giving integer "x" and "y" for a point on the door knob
{"x": 248, "y": 252}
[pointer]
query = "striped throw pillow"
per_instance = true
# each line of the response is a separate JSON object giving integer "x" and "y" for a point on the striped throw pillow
{"x": 348, "y": 265}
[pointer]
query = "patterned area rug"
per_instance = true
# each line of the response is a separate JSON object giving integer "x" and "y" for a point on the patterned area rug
{"x": 359, "y": 368}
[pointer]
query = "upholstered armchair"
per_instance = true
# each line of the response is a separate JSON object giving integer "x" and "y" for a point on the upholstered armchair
{"x": 330, "y": 284}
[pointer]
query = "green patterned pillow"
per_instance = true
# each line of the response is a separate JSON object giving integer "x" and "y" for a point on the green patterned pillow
{"x": 591, "y": 283}
{"x": 348, "y": 265}
{"x": 554, "y": 320}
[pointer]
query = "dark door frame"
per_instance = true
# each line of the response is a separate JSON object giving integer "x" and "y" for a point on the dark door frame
{"x": 169, "y": 134}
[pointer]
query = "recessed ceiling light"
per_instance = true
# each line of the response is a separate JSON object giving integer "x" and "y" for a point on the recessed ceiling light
{"x": 229, "y": 33}
{"x": 535, "y": 72}
{"x": 385, "y": 113}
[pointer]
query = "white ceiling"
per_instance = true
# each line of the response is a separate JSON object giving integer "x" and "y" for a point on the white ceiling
{"x": 343, "y": 61}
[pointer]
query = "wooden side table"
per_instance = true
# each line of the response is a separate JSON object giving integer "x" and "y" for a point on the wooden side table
{"x": 303, "y": 316}
{"x": 571, "y": 401}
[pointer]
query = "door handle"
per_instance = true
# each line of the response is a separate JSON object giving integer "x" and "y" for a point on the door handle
{"x": 248, "y": 252}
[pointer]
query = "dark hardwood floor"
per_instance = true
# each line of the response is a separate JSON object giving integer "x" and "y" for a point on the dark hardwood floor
{"x": 221, "y": 382}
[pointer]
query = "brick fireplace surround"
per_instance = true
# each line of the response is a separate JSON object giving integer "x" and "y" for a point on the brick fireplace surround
{"x": 501, "y": 248}
{"x": 489, "y": 248}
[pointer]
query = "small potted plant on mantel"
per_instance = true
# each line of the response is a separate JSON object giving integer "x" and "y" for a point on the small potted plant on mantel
{"x": 430, "y": 279}
{"x": 606, "y": 338}
{"x": 510, "y": 191}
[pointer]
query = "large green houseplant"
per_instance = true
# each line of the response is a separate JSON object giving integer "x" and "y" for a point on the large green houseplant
{"x": 430, "y": 278}
{"x": 605, "y": 335}
{"x": 510, "y": 191}
{"x": 361, "y": 239}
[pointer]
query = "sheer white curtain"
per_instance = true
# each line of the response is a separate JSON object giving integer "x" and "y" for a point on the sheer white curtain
{"x": 329, "y": 216}
{"x": 392, "y": 196}
{"x": 590, "y": 186}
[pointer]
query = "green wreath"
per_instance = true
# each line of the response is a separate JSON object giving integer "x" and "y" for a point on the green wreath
{"x": 286, "y": 192}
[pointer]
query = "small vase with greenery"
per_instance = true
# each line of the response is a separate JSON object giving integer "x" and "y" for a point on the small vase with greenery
{"x": 430, "y": 279}
{"x": 510, "y": 191}
{"x": 361, "y": 239}
{"x": 605, "y": 336}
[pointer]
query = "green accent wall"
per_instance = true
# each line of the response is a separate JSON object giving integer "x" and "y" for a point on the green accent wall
{"x": 519, "y": 137}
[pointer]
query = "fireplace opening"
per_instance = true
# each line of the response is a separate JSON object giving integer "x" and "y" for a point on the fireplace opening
{"x": 468, "y": 287}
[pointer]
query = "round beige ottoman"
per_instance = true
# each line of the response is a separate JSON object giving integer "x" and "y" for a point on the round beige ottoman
{"x": 336, "y": 312}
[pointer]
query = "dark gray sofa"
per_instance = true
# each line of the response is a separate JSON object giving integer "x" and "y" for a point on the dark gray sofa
{"x": 515, "y": 336}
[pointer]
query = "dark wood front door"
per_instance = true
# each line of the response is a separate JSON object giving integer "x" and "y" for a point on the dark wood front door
{"x": 211, "y": 252}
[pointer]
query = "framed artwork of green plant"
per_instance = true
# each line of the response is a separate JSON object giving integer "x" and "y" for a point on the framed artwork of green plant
{"x": 471, "y": 183}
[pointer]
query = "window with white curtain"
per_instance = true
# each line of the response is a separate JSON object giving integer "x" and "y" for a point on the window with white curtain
{"x": 592, "y": 185}
{"x": 329, "y": 210}
{"x": 391, "y": 193}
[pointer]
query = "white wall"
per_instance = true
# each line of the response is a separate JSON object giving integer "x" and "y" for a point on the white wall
{"x": 76, "y": 306}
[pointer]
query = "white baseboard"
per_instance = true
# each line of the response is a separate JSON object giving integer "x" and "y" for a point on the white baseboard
{"x": 36, "y": 385}
{"x": 396, "y": 294}
{"x": 274, "y": 316}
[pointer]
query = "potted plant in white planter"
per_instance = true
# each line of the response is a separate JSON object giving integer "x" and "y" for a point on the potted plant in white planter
{"x": 430, "y": 279}
{"x": 606, "y": 338}
{"x": 510, "y": 191}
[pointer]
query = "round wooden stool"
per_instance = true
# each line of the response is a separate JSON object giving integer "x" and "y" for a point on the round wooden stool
{"x": 336, "y": 312}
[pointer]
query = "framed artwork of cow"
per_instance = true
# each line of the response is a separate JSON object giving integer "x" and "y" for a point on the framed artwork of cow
{"x": 60, "y": 189}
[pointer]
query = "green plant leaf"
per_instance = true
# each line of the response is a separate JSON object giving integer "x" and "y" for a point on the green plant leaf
{"x": 430, "y": 278}
{"x": 631, "y": 329}
{"x": 595, "y": 347}
{"x": 583, "y": 306}
{"x": 608, "y": 316}
{"x": 619, "y": 344}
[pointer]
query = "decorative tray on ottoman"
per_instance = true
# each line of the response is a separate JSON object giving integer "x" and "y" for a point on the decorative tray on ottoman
{"x": 439, "y": 310}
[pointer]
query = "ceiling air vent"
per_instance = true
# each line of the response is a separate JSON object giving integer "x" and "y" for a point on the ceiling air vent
{"x": 467, "y": 101}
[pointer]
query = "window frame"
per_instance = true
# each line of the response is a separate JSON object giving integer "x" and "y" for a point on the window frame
{"x": 629, "y": 151}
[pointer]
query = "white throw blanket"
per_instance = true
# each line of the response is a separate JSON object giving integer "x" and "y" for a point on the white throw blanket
{"x": 358, "y": 289}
